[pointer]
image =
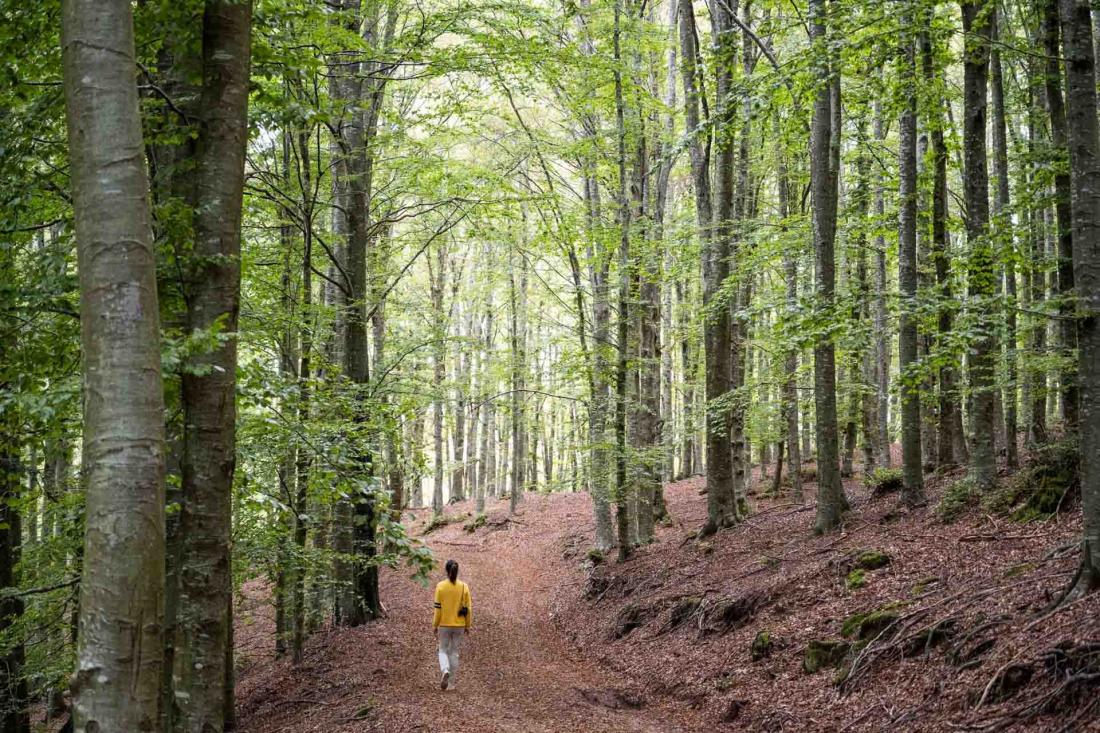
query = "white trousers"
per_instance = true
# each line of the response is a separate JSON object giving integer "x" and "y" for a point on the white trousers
{"x": 450, "y": 639}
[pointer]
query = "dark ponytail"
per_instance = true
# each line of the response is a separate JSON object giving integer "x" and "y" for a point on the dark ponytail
{"x": 452, "y": 570}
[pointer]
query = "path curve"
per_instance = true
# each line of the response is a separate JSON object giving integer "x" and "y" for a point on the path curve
{"x": 518, "y": 674}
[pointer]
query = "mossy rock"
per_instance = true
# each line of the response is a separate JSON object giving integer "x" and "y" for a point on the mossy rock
{"x": 824, "y": 654}
{"x": 364, "y": 712}
{"x": 856, "y": 579}
{"x": 595, "y": 556}
{"x": 684, "y": 610}
{"x": 959, "y": 497}
{"x": 868, "y": 625}
{"x": 922, "y": 585}
{"x": 872, "y": 560}
{"x": 633, "y": 616}
{"x": 1021, "y": 569}
{"x": 727, "y": 614}
{"x": 476, "y": 523}
{"x": 1046, "y": 486}
{"x": 438, "y": 521}
{"x": 883, "y": 481}
{"x": 761, "y": 646}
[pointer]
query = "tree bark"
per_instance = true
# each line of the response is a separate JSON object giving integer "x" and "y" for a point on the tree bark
{"x": 882, "y": 335}
{"x": 1067, "y": 329}
{"x": 1084, "y": 152}
{"x": 912, "y": 468}
{"x": 716, "y": 236}
{"x": 209, "y": 387}
{"x": 622, "y": 493}
{"x": 789, "y": 407}
{"x": 116, "y": 686}
{"x": 950, "y": 443}
{"x": 1002, "y": 215}
{"x": 980, "y": 266}
{"x": 823, "y": 183}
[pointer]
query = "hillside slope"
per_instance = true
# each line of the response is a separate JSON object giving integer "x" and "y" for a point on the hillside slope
{"x": 664, "y": 641}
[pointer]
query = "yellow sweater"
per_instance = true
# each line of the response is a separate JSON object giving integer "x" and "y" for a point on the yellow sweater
{"x": 449, "y": 598}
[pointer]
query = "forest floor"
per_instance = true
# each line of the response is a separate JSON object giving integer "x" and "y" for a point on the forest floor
{"x": 956, "y": 637}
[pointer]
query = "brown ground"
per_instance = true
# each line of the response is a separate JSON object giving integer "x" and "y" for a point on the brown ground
{"x": 519, "y": 673}
{"x": 543, "y": 656}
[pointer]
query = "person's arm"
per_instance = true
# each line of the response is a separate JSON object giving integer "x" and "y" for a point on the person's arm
{"x": 469, "y": 609}
{"x": 438, "y": 616}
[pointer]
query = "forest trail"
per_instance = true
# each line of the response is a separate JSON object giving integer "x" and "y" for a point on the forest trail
{"x": 518, "y": 673}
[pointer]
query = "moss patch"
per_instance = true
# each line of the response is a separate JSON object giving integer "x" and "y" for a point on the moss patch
{"x": 476, "y": 523}
{"x": 856, "y": 579}
{"x": 595, "y": 556}
{"x": 883, "y": 481}
{"x": 872, "y": 560}
{"x": 824, "y": 654}
{"x": 438, "y": 521}
{"x": 868, "y": 625}
{"x": 1047, "y": 485}
{"x": 761, "y": 646}
{"x": 959, "y": 496}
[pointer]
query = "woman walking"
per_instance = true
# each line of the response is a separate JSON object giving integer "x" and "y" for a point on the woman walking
{"x": 453, "y": 616}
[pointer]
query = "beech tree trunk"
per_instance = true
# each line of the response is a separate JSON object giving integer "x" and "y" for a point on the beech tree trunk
{"x": 116, "y": 685}
{"x": 789, "y": 408}
{"x": 912, "y": 466}
{"x": 1084, "y": 151}
{"x": 831, "y": 503}
{"x": 981, "y": 274}
{"x": 715, "y": 235}
{"x": 1056, "y": 105}
{"x": 209, "y": 390}
{"x": 882, "y": 335}
{"x": 1006, "y": 248}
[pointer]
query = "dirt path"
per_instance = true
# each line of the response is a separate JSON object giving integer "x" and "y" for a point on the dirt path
{"x": 518, "y": 673}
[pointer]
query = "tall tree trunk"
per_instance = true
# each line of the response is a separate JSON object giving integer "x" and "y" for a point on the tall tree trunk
{"x": 688, "y": 448}
{"x": 305, "y": 366}
{"x": 1067, "y": 328}
{"x": 912, "y": 467}
{"x": 622, "y": 498}
{"x": 950, "y": 416}
{"x": 790, "y": 364}
{"x": 487, "y": 468}
{"x": 1084, "y": 148}
{"x": 519, "y": 364}
{"x": 439, "y": 373}
{"x": 882, "y": 334}
{"x": 209, "y": 389}
{"x": 980, "y": 265}
{"x": 1006, "y": 240}
{"x": 458, "y": 442}
{"x": 715, "y": 234}
{"x": 116, "y": 686}
{"x": 600, "y": 396}
{"x": 1037, "y": 430}
{"x": 823, "y": 183}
